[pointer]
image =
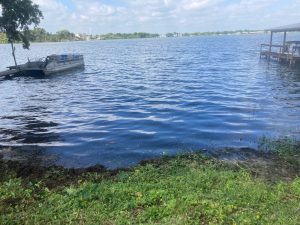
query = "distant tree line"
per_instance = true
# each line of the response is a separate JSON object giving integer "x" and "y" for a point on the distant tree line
{"x": 219, "y": 33}
{"x": 128, "y": 35}
{"x": 41, "y": 35}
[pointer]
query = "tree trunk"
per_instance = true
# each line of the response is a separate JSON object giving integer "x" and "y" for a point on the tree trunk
{"x": 13, "y": 52}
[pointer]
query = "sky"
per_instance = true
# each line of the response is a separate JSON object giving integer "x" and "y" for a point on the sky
{"x": 162, "y": 16}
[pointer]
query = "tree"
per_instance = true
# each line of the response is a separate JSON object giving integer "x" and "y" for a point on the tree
{"x": 65, "y": 35}
{"x": 38, "y": 35}
{"x": 17, "y": 16}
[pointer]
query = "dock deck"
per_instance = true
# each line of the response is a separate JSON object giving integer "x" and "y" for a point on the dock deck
{"x": 279, "y": 53}
{"x": 289, "y": 51}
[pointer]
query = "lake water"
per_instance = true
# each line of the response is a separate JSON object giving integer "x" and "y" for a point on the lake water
{"x": 137, "y": 99}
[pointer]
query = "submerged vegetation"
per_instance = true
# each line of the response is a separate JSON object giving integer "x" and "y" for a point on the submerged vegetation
{"x": 288, "y": 149}
{"x": 185, "y": 189}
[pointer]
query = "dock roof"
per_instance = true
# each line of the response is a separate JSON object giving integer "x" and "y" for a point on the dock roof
{"x": 287, "y": 28}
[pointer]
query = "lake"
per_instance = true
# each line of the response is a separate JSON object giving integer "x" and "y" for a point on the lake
{"x": 137, "y": 99}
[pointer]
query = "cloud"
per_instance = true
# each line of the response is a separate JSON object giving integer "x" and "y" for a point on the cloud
{"x": 99, "y": 16}
{"x": 195, "y": 4}
{"x": 55, "y": 13}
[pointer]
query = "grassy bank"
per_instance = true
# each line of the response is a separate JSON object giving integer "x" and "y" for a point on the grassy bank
{"x": 186, "y": 189}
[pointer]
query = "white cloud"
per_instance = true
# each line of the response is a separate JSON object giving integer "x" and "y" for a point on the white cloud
{"x": 55, "y": 14}
{"x": 195, "y": 4}
{"x": 167, "y": 15}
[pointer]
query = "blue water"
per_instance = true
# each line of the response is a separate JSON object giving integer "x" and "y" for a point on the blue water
{"x": 138, "y": 99}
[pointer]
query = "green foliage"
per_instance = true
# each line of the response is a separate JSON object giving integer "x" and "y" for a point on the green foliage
{"x": 188, "y": 189}
{"x": 3, "y": 38}
{"x": 65, "y": 35}
{"x": 41, "y": 35}
{"x": 128, "y": 36}
{"x": 17, "y": 16}
{"x": 12, "y": 189}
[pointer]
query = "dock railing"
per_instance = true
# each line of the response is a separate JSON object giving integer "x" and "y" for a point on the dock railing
{"x": 269, "y": 48}
{"x": 276, "y": 51}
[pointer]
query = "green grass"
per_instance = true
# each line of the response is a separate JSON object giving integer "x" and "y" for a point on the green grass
{"x": 188, "y": 189}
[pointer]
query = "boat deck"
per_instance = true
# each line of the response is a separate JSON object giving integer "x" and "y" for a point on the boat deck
{"x": 52, "y": 64}
{"x": 8, "y": 72}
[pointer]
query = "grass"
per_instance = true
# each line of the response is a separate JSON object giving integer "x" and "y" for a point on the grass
{"x": 186, "y": 189}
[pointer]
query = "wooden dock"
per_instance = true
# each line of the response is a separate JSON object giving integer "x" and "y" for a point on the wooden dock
{"x": 289, "y": 51}
{"x": 277, "y": 53}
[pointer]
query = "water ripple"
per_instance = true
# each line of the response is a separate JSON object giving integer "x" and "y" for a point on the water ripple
{"x": 137, "y": 99}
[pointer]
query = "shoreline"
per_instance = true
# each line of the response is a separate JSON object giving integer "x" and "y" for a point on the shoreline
{"x": 187, "y": 188}
{"x": 267, "y": 165}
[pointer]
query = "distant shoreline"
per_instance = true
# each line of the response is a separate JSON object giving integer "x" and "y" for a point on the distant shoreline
{"x": 41, "y": 36}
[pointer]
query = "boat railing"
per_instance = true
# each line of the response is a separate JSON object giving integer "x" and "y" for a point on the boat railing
{"x": 69, "y": 59}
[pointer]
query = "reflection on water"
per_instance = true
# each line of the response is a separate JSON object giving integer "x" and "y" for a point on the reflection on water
{"x": 25, "y": 128}
{"x": 137, "y": 99}
{"x": 32, "y": 131}
{"x": 27, "y": 137}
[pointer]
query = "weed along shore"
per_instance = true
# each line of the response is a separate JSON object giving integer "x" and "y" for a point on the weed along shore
{"x": 190, "y": 188}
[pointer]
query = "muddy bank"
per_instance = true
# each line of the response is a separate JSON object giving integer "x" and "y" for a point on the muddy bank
{"x": 270, "y": 166}
{"x": 265, "y": 165}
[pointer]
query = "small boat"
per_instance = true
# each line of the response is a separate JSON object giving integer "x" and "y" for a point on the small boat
{"x": 49, "y": 65}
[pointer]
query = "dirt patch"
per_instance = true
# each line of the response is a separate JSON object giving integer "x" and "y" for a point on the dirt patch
{"x": 53, "y": 176}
